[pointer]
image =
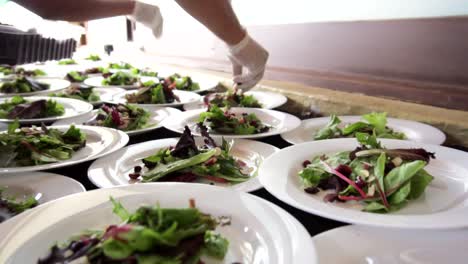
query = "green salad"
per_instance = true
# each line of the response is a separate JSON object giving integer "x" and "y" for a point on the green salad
{"x": 93, "y": 57}
{"x": 382, "y": 180}
{"x": 144, "y": 72}
{"x": 80, "y": 92}
{"x": 153, "y": 93}
{"x": 6, "y": 69}
{"x": 230, "y": 98}
{"x": 150, "y": 235}
{"x": 76, "y": 76}
{"x": 22, "y": 84}
{"x": 11, "y": 206}
{"x": 226, "y": 122}
{"x": 19, "y": 107}
{"x": 187, "y": 162}
{"x": 120, "y": 78}
{"x": 67, "y": 62}
{"x": 180, "y": 82}
{"x": 35, "y": 146}
{"x": 121, "y": 66}
{"x": 96, "y": 70}
{"x": 123, "y": 117}
{"x": 30, "y": 73}
{"x": 373, "y": 124}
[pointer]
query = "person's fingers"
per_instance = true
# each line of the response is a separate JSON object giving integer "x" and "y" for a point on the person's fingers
{"x": 236, "y": 69}
{"x": 247, "y": 82}
{"x": 158, "y": 23}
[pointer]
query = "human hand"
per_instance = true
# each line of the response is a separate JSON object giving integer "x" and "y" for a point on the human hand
{"x": 250, "y": 55}
{"x": 150, "y": 16}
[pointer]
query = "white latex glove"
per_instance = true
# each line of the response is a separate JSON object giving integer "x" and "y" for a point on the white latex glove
{"x": 150, "y": 16}
{"x": 250, "y": 57}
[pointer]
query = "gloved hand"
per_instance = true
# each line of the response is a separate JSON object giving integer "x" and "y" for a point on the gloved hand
{"x": 249, "y": 56}
{"x": 150, "y": 16}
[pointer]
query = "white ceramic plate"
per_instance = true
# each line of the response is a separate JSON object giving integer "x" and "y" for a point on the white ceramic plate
{"x": 268, "y": 100}
{"x": 44, "y": 186}
{"x": 359, "y": 244}
{"x": 55, "y": 86}
{"x": 184, "y": 96}
{"x": 157, "y": 115}
{"x": 444, "y": 204}
{"x": 278, "y": 121}
{"x": 113, "y": 170}
{"x": 96, "y": 81}
{"x": 260, "y": 232}
{"x": 100, "y": 141}
{"x": 73, "y": 108}
{"x": 414, "y": 131}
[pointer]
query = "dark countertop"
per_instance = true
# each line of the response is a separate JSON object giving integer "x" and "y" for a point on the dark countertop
{"x": 314, "y": 224}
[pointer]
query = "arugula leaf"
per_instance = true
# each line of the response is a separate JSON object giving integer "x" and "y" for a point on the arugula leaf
{"x": 13, "y": 126}
{"x": 67, "y": 62}
{"x": 379, "y": 170}
{"x": 399, "y": 176}
{"x": 419, "y": 183}
{"x": 215, "y": 245}
{"x": 400, "y": 195}
{"x": 330, "y": 130}
{"x": 368, "y": 141}
{"x": 119, "y": 209}
{"x": 377, "y": 120}
{"x": 164, "y": 169}
{"x": 354, "y": 127}
{"x": 93, "y": 57}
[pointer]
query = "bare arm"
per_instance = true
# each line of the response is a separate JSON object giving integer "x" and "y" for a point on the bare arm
{"x": 217, "y": 16}
{"x": 78, "y": 10}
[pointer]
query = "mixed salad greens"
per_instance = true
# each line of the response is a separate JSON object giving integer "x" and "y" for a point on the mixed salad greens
{"x": 67, "y": 62}
{"x": 29, "y": 73}
{"x": 23, "y": 84}
{"x": 120, "y": 78}
{"x": 123, "y": 117}
{"x": 383, "y": 180}
{"x": 153, "y": 93}
{"x": 6, "y": 69}
{"x": 34, "y": 146}
{"x": 144, "y": 72}
{"x": 11, "y": 206}
{"x": 150, "y": 235}
{"x": 76, "y": 76}
{"x": 97, "y": 70}
{"x": 18, "y": 107}
{"x": 187, "y": 162}
{"x": 81, "y": 92}
{"x": 372, "y": 124}
{"x": 180, "y": 82}
{"x": 121, "y": 66}
{"x": 93, "y": 57}
{"x": 226, "y": 122}
{"x": 232, "y": 98}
